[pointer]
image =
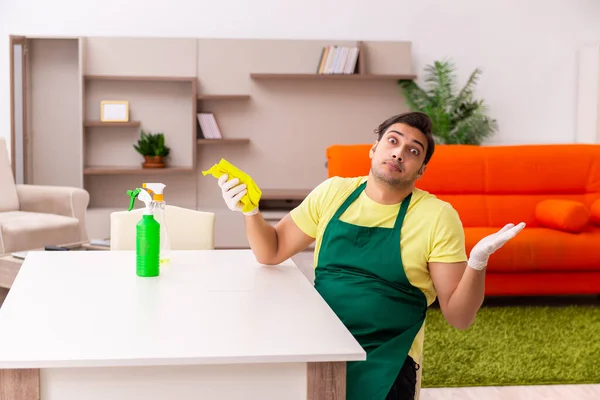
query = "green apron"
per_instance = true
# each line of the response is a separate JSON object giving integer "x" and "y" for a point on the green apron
{"x": 360, "y": 275}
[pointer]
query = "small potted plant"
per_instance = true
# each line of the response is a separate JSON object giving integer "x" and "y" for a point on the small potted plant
{"x": 152, "y": 148}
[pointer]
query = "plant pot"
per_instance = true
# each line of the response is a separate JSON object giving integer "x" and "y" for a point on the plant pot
{"x": 154, "y": 162}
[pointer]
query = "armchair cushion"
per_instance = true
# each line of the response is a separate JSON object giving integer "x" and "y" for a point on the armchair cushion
{"x": 9, "y": 200}
{"x": 59, "y": 200}
{"x": 21, "y": 230}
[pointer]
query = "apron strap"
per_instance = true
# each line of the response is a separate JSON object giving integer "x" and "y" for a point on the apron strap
{"x": 353, "y": 196}
{"x": 402, "y": 212}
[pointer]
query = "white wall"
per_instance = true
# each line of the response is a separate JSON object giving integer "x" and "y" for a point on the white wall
{"x": 528, "y": 49}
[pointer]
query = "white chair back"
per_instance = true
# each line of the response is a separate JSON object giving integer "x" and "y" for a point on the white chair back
{"x": 187, "y": 229}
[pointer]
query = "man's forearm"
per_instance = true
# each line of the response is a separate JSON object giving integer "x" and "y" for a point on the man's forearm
{"x": 467, "y": 298}
{"x": 262, "y": 238}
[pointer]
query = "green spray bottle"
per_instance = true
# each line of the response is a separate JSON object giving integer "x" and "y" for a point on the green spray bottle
{"x": 147, "y": 239}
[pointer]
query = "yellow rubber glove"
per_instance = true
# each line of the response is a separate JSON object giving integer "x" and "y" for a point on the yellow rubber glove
{"x": 240, "y": 192}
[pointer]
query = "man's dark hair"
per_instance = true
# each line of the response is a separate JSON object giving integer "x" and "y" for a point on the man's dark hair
{"x": 417, "y": 120}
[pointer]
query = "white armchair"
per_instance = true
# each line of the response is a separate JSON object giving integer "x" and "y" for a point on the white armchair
{"x": 34, "y": 216}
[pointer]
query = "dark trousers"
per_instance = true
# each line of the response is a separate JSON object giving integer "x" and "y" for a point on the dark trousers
{"x": 406, "y": 382}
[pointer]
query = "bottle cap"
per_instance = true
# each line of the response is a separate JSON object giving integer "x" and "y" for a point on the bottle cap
{"x": 155, "y": 189}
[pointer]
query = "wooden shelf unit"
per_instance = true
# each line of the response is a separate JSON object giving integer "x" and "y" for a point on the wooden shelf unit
{"x": 357, "y": 77}
{"x": 224, "y": 97}
{"x": 141, "y": 78}
{"x": 266, "y": 95}
{"x": 135, "y": 170}
{"x": 140, "y": 90}
{"x": 224, "y": 141}
{"x": 220, "y": 98}
{"x": 285, "y": 194}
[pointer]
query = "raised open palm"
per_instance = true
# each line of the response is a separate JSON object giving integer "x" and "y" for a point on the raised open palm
{"x": 488, "y": 245}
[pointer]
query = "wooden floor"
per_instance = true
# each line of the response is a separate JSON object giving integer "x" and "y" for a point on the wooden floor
{"x": 552, "y": 392}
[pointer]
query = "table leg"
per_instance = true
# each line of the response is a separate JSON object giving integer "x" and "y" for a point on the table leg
{"x": 326, "y": 381}
{"x": 22, "y": 384}
{"x": 3, "y": 294}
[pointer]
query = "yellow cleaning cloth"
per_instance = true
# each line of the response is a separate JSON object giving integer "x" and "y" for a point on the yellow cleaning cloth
{"x": 250, "y": 199}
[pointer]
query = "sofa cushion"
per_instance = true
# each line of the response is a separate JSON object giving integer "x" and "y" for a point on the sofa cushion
{"x": 564, "y": 215}
{"x": 20, "y": 230}
{"x": 595, "y": 212}
{"x": 542, "y": 250}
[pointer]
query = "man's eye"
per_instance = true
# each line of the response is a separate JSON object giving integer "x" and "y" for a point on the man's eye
{"x": 392, "y": 140}
{"x": 415, "y": 152}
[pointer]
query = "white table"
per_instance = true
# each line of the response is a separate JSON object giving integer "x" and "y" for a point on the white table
{"x": 214, "y": 325}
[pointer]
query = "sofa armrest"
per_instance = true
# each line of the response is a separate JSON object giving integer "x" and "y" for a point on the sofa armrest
{"x": 60, "y": 200}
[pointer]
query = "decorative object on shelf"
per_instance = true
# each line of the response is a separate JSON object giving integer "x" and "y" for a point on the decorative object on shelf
{"x": 153, "y": 148}
{"x": 114, "y": 111}
{"x": 338, "y": 60}
{"x": 457, "y": 118}
{"x": 209, "y": 129}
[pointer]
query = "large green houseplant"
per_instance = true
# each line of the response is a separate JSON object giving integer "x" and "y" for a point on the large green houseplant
{"x": 152, "y": 147}
{"x": 457, "y": 117}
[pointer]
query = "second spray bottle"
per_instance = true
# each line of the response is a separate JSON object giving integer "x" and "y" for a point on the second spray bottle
{"x": 159, "y": 210}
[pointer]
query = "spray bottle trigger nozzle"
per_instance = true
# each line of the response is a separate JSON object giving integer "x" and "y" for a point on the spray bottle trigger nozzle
{"x": 133, "y": 195}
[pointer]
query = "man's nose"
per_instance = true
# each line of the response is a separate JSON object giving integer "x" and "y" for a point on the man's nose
{"x": 397, "y": 153}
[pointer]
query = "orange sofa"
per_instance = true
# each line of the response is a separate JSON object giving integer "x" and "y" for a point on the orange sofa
{"x": 554, "y": 188}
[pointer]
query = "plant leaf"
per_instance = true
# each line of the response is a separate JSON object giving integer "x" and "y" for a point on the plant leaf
{"x": 456, "y": 118}
{"x": 151, "y": 144}
{"x": 466, "y": 93}
{"x": 415, "y": 97}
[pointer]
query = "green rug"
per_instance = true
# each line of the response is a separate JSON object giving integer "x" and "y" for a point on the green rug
{"x": 514, "y": 346}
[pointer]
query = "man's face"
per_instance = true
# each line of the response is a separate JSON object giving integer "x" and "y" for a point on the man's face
{"x": 397, "y": 159}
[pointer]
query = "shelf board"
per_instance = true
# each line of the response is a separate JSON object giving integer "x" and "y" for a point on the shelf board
{"x": 359, "y": 77}
{"x": 102, "y": 123}
{"x": 285, "y": 194}
{"x": 203, "y": 97}
{"x": 141, "y": 78}
{"x": 134, "y": 170}
{"x": 224, "y": 141}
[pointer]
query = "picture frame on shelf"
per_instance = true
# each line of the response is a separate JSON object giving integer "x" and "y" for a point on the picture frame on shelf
{"x": 114, "y": 111}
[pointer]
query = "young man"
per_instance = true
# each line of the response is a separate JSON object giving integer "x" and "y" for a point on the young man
{"x": 384, "y": 250}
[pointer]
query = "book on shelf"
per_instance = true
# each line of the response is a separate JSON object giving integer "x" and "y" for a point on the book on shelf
{"x": 338, "y": 60}
{"x": 209, "y": 129}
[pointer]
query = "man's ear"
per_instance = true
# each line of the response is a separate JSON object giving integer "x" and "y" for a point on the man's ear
{"x": 421, "y": 171}
{"x": 373, "y": 147}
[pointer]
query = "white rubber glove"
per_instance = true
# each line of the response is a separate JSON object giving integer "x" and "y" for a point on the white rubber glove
{"x": 233, "y": 193}
{"x": 482, "y": 251}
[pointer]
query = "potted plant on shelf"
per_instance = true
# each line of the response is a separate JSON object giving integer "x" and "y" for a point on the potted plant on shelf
{"x": 457, "y": 118}
{"x": 152, "y": 147}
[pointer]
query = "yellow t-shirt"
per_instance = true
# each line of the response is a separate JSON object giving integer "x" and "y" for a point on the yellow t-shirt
{"x": 432, "y": 230}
